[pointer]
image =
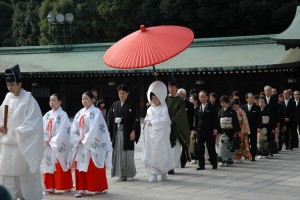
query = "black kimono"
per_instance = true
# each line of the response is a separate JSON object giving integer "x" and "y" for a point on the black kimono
{"x": 123, "y": 153}
{"x": 266, "y": 143}
{"x": 228, "y": 126}
{"x": 130, "y": 121}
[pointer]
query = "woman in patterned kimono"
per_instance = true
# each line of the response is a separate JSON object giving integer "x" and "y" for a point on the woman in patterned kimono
{"x": 157, "y": 151}
{"x": 243, "y": 150}
{"x": 228, "y": 126}
{"x": 266, "y": 138}
{"x": 91, "y": 147}
{"x": 57, "y": 176}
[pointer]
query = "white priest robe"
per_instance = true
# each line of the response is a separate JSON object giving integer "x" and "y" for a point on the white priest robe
{"x": 22, "y": 147}
{"x": 57, "y": 133}
{"x": 90, "y": 140}
{"x": 157, "y": 152}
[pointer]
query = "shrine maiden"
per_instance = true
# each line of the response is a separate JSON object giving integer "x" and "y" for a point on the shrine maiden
{"x": 57, "y": 176}
{"x": 91, "y": 146}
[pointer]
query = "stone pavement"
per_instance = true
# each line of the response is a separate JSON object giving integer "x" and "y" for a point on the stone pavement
{"x": 277, "y": 178}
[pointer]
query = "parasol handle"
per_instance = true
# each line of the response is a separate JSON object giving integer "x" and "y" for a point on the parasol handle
{"x": 155, "y": 73}
{"x": 5, "y": 116}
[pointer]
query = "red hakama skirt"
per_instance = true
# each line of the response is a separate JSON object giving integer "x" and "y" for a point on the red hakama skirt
{"x": 94, "y": 180}
{"x": 59, "y": 180}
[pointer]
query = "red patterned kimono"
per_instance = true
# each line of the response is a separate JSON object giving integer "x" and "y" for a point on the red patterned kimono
{"x": 243, "y": 134}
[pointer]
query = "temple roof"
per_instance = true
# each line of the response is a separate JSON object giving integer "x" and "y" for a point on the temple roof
{"x": 291, "y": 36}
{"x": 210, "y": 54}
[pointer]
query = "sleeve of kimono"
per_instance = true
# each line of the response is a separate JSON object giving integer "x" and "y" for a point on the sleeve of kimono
{"x": 136, "y": 124}
{"x": 74, "y": 132}
{"x": 92, "y": 135}
{"x": 63, "y": 129}
{"x": 2, "y": 111}
{"x": 164, "y": 118}
{"x": 30, "y": 135}
{"x": 45, "y": 118}
{"x": 60, "y": 143}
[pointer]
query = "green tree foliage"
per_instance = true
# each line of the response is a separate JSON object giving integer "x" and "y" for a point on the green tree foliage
{"x": 110, "y": 20}
{"x": 6, "y": 12}
{"x": 25, "y": 29}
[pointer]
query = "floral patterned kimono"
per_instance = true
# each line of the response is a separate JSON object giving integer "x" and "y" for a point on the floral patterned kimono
{"x": 91, "y": 148}
{"x": 54, "y": 165}
{"x": 243, "y": 151}
{"x": 57, "y": 133}
{"x": 90, "y": 139}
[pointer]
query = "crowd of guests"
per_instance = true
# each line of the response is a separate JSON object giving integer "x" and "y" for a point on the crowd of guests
{"x": 257, "y": 129}
{"x": 222, "y": 130}
{"x": 176, "y": 129}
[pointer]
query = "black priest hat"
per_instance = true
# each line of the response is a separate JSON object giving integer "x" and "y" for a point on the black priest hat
{"x": 13, "y": 74}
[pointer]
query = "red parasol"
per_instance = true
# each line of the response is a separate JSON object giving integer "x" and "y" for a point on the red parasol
{"x": 148, "y": 46}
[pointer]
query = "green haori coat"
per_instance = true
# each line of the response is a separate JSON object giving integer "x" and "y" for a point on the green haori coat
{"x": 180, "y": 126}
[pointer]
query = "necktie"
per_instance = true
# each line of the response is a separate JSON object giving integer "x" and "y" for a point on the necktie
{"x": 81, "y": 125}
{"x": 49, "y": 127}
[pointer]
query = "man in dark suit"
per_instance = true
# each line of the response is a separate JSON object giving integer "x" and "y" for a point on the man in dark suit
{"x": 287, "y": 111}
{"x": 189, "y": 107}
{"x": 272, "y": 103}
{"x": 297, "y": 118}
{"x": 254, "y": 119}
{"x": 206, "y": 124}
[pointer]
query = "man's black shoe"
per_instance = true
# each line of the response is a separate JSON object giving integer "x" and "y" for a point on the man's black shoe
{"x": 215, "y": 166}
{"x": 171, "y": 171}
{"x": 253, "y": 159}
{"x": 201, "y": 168}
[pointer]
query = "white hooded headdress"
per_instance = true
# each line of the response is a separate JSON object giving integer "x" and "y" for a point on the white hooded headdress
{"x": 159, "y": 89}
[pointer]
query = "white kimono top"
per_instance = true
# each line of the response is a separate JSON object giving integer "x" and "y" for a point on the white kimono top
{"x": 57, "y": 133}
{"x": 90, "y": 139}
{"x": 23, "y": 144}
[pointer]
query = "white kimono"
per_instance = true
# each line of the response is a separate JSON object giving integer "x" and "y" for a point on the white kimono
{"x": 157, "y": 152}
{"x": 91, "y": 140}
{"x": 22, "y": 147}
{"x": 57, "y": 133}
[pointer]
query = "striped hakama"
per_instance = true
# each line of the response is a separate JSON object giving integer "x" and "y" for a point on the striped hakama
{"x": 123, "y": 160}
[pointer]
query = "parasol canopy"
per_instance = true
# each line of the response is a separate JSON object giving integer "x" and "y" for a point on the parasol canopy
{"x": 148, "y": 47}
